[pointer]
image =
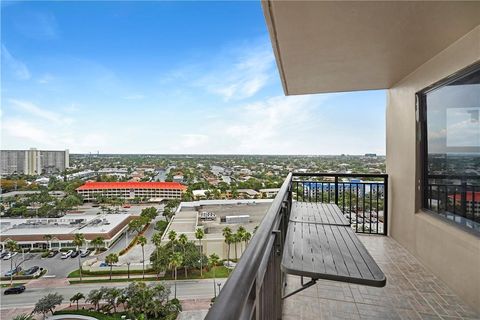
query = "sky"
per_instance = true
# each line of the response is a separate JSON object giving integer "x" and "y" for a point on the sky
{"x": 163, "y": 78}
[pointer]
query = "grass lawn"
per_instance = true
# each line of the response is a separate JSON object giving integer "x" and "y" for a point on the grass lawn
{"x": 7, "y": 285}
{"x": 95, "y": 314}
{"x": 220, "y": 272}
{"x": 85, "y": 273}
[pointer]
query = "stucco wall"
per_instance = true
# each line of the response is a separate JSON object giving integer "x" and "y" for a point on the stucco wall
{"x": 448, "y": 251}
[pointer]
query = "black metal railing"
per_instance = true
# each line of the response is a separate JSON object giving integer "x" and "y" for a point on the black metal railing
{"x": 361, "y": 197}
{"x": 454, "y": 197}
{"x": 254, "y": 288}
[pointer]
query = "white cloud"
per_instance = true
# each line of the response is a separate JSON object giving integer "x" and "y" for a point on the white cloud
{"x": 269, "y": 124}
{"x": 46, "y": 78}
{"x": 134, "y": 97}
{"x": 34, "y": 110}
{"x": 18, "y": 128}
{"x": 37, "y": 25}
{"x": 191, "y": 140}
{"x": 246, "y": 74}
{"x": 18, "y": 69}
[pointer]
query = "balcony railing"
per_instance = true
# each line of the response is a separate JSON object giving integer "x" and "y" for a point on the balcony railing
{"x": 454, "y": 197}
{"x": 254, "y": 289}
{"x": 361, "y": 197}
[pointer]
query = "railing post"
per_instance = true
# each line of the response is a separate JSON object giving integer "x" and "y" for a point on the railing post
{"x": 463, "y": 199}
{"x": 385, "y": 205}
{"x": 336, "y": 190}
{"x": 277, "y": 275}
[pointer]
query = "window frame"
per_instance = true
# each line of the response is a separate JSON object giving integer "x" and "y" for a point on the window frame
{"x": 422, "y": 138}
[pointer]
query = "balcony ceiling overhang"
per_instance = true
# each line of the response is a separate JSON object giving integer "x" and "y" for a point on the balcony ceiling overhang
{"x": 331, "y": 46}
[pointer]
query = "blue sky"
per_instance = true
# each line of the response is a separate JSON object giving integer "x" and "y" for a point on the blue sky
{"x": 156, "y": 77}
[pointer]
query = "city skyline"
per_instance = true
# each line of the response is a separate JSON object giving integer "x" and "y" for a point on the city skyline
{"x": 137, "y": 79}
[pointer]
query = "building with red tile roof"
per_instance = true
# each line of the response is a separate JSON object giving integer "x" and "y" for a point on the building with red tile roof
{"x": 129, "y": 190}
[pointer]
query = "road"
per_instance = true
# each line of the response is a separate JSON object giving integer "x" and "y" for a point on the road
{"x": 186, "y": 289}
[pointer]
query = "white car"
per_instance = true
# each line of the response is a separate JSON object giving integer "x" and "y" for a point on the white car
{"x": 67, "y": 254}
{"x": 10, "y": 255}
{"x": 229, "y": 264}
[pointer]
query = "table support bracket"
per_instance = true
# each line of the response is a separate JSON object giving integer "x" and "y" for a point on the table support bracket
{"x": 303, "y": 287}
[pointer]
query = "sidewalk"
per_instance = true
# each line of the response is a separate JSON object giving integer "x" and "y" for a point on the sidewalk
{"x": 115, "y": 277}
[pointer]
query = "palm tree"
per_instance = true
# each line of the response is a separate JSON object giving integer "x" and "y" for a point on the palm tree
{"x": 227, "y": 233}
{"x": 247, "y": 238}
{"x": 235, "y": 240}
{"x": 176, "y": 260}
{"x": 199, "y": 234}
{"x": 183, "y": 240}
{"x": 241, "y": 236}
{"x": 48, "y": 238}
{"x": 157, "y": 240}
{"x": 11, "y": 246}
{"x": 97, "y": 242}
{"x": 94, "y": 297}
{"x": 78, "y": 241}
{"x": 111, "y": 296}
{"x": 110, "y": 260}
{"x": 76, "y": 297}
{"x": 213, "y": 261}
{"x": 142, "y": 241}
{"x": 172, "y": 236}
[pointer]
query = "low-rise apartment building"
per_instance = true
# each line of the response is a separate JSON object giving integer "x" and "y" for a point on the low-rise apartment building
{"x": 129, "y": 190}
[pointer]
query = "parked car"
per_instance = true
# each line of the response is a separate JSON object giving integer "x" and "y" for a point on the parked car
{"x": 67, "y": 254}
{"x": 52, "y": 253}
{"x": 32, "y": 271}
{"x": 15, "y": 290}
{"x": 3, "y": 254}
{"x": 13, "y": 271}
{"x": 75, "y": 254}
{"x": 103, "y": 264}
{"x": 85, "y": 253}
{"x": 229, "y": 264}
{"x": 10, "y": 255}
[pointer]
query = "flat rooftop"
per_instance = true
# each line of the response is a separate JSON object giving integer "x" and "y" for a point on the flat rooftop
{"x": 256, "y": 211}
{"x": 68, "y": 224}
{"x": 186, "y": 221}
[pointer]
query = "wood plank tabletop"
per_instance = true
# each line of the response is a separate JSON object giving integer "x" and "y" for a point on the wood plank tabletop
{"x": 320, "y": 247}
{"x": 317, "y": 212}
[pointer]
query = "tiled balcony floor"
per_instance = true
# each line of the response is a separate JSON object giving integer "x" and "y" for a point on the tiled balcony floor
{"x": 412, "y": 292}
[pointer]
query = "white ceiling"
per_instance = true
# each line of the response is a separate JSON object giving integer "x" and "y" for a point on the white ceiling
{"x": 330, "y": 46}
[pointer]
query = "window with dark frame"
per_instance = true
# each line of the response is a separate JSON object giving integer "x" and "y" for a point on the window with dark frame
{"x": 450, "y": 148}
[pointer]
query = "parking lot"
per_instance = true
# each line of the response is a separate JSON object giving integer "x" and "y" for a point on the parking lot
{"x": 56, "y": 266}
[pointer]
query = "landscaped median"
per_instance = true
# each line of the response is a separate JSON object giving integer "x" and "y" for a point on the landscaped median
{"x": 90, "y": 313}
{"x": 23, "y": 277}
{"x": 122, "y": 276}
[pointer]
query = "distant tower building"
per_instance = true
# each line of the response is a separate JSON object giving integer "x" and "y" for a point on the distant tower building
{"x": 33, "y": 161}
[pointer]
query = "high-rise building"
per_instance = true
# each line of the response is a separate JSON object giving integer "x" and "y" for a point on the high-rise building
{"x": 33, "y": 161}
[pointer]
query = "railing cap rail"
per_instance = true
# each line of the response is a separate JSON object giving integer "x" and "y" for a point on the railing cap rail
{"x": 238, "y": 286}
{"x": 346, "y": 175}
